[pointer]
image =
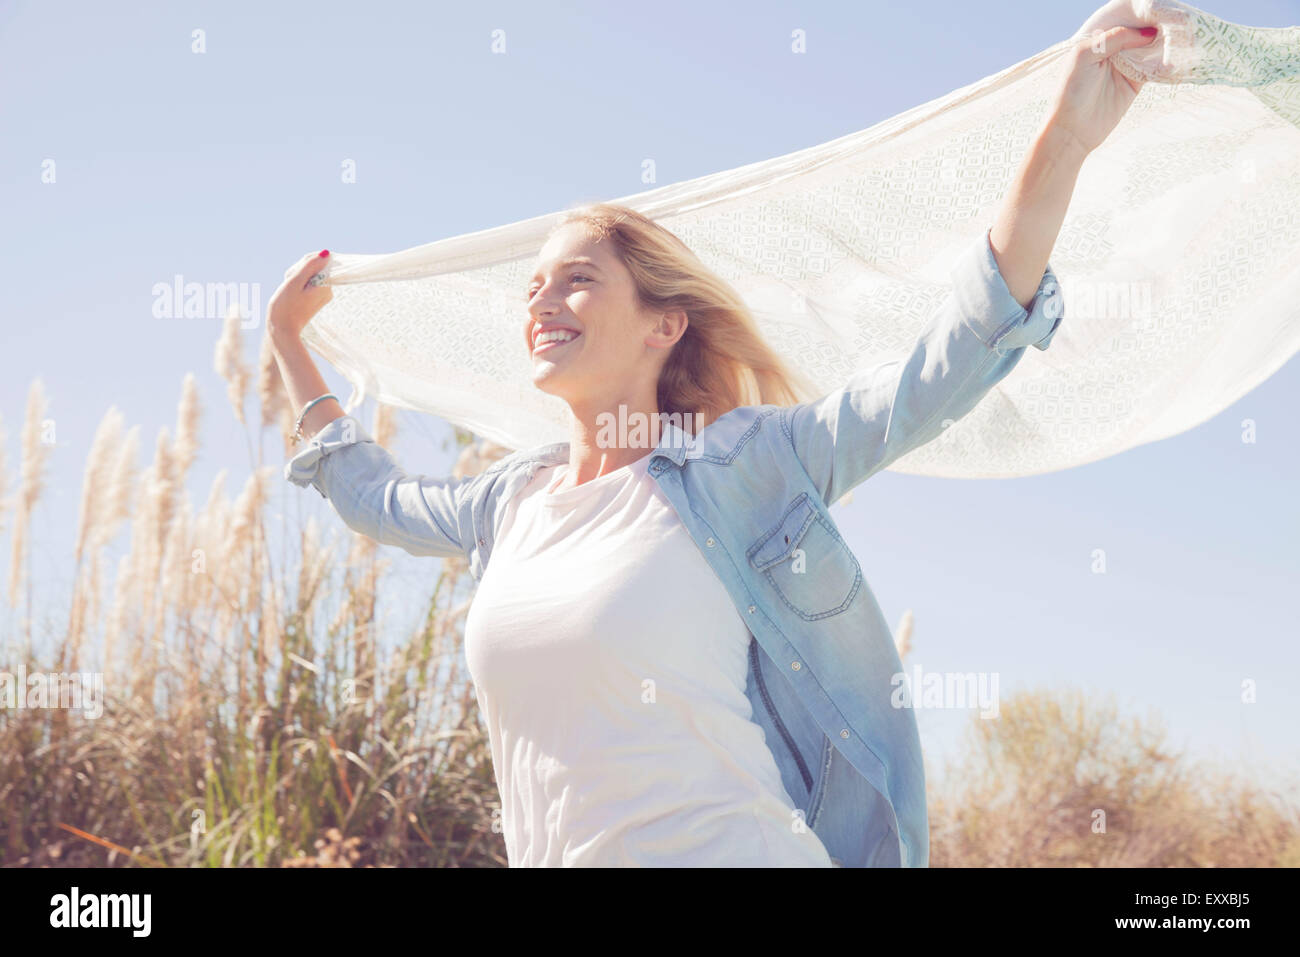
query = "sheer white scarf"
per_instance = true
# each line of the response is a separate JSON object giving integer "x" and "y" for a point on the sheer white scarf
{"x": 1179, "y": 259}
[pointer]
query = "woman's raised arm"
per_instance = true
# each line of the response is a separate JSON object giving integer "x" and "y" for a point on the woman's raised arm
{"x": 1005, "y": 295}
{"x": 291, "y": 308}
{"x": 1088, "y": 106}
{"x": 370, "y": 491}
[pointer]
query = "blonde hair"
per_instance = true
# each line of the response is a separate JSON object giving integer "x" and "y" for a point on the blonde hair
{"x": 721, "y": 362}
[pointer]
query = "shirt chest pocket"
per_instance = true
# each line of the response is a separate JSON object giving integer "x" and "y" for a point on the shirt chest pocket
{"x": 803, "y": 557}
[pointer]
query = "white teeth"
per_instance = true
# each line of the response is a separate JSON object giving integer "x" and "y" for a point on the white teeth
{"x": 555, "y": 335}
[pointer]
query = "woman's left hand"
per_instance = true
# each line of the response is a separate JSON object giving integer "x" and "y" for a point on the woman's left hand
{"x": 1095, "y": 94}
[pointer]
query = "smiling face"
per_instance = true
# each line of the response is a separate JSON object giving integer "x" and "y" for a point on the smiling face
{"x": 615, "y": 347}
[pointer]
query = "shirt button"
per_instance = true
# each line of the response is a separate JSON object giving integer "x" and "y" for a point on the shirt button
{"x": 751, "y": 609}
{"x": 1053, "y": 305}
{"x": 844, "y": 732}
{"x": 709, "y": 542}
{"x": 481, "y": 542}
{"x": 795, "y": 666}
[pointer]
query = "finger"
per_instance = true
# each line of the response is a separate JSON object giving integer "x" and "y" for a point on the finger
{"x": 317, "y": 282}
{"x": 1139, "y": 36}
{"x": 299, "y": 264}
{"x": 314, "y": 264}
{"x": 1103, "y": 43}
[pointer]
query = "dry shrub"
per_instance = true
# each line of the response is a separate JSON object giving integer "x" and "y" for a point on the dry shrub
{"x": 1038, "y": 784}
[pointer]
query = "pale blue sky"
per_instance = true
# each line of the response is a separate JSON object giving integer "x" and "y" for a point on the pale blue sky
{"x": 225, "y": 167}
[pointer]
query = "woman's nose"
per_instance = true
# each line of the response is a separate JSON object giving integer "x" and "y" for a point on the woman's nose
{"x": 540, "y": 308}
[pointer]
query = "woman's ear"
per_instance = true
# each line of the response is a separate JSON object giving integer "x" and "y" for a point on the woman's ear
{"x": 670, "y": 327}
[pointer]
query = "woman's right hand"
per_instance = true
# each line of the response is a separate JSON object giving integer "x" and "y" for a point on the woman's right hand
{"x": 294, "y": 303}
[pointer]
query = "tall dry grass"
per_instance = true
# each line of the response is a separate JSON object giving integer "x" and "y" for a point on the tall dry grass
{"x": 254, "y": 716}
{"x": 251, "y": 710}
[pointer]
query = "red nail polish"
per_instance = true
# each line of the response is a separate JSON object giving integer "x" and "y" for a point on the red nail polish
{"x": 324, "y": 252}
{"x": 1148, "y": 31}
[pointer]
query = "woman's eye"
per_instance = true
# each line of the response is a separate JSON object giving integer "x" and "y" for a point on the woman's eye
{"x": 574, "y": 277}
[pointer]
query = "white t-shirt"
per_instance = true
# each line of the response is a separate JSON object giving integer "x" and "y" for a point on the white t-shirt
{"x": 610, "y": 668}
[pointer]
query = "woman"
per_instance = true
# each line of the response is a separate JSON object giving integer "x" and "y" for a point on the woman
{"x": 672, "y": 648}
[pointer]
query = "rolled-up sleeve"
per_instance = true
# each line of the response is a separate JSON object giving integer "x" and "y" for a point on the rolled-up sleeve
{"x": 376, "y": 497}
{"x": 974, "y": 340}
{"x": 990, "y": 310}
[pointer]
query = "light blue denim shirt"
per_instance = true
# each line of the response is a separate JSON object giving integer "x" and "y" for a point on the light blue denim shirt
{"x": 754, "y": 489}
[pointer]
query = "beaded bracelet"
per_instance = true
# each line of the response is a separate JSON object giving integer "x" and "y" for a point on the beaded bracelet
{"x": 297, "y": 428}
